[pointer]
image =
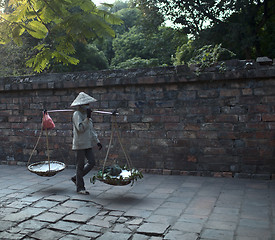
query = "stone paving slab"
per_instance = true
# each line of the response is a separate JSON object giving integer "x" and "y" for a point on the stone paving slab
{"x": 153, "y": 229}
{"x": 47, "y": 234}
{"x": 157, "y": 207}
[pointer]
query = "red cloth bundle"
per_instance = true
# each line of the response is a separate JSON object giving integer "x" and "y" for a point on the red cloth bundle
{"x": 47, "y": 121}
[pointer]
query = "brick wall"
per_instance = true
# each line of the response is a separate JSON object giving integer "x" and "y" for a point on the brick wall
{"x": 171, "y": 120}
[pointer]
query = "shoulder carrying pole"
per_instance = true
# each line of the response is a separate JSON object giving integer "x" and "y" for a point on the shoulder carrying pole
{"x": 72, "y": 110}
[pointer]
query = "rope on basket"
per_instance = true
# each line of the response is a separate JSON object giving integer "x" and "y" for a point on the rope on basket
{"x": 113, "y": 130}
{"x": 35, "y": 145}
{"x": 49, "y": 172}
{"x": 47, "y": 141}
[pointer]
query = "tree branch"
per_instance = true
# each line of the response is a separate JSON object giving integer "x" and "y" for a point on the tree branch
{"x": 38, "y": 16}
{"x": 198, "y": 7}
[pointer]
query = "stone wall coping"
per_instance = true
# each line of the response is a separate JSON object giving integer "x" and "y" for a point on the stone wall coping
{"x": 235, "y": 70}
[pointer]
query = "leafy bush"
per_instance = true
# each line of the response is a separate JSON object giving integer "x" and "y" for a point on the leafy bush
{"x": 203, "y": 57}
{"x": 138, "y": 62}
{"x": 210, "y": 54}
{"x": 184, "y": 53}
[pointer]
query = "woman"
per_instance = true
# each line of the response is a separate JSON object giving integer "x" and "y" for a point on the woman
{"x": 84, "y": 139}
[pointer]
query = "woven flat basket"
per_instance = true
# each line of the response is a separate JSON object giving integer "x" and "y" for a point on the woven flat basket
{"x": 115, "y": 181}
{"x": 42, "y": 168}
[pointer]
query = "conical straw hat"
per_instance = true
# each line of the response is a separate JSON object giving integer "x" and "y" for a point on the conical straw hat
{"x": 82, "y": 99}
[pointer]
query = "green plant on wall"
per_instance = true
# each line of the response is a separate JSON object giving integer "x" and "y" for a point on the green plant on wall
{"x": 209, "y": 55}
{"x": 57, "y": 25}
{"x": 203, "y": 57}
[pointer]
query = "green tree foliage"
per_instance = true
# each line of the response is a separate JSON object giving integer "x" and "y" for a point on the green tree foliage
{"x": 129, "y": 45}
{"x": 193, "y": 16}
{"x": 184, "y": 53}
{"x": 115, "y": 7}
{"x": 61, "y": 41}
{"x": 152, "y": 17}
{"x": 137, "y": 44}
{"x": 58, "y": 25}
{"x": 11, "y": 59}
{"x": 130, "y": 18}
{"x": 245, "y": 27}
{"x": 90, "y": 59}
{"x": 249, "y": 32}
{"x": 138, "y": 62}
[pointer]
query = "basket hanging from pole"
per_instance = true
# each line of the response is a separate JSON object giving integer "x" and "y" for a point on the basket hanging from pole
{"x": 116, "y": 175}
{"x": 45, "y": 168}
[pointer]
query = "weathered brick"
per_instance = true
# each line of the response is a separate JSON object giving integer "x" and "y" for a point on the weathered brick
{"x": 181, "y": 134}
{"x": 13, "y": 107}
{"x": 227, "y": 174}
{"x": 269, "y": 99}
{"x": 212, "y": 150}
{"x": 165, "y": 104}
{"x": 152, "y": 118}
{"x": 102, "y": 126}
{"x": 140, "y": 126}
{"x": 6, "y": 100}
{"x": 207, "y": 134}
{"x": 187, "y": 95}
{"x": 227, "y": 118}
{"x": 247, "y": 91}
{"x": 173, "y": 87}
{"x": 146, "y": 80}
{"x": 53, "y": 99}
{"x": 229, "y": 92}
{"x": 250, "y": 118}
{"x": 166, "y": 172}
{"x": 152, "y": 134}
{"x": 191, "y": 127}
{"x": 3, "y": 106}
{"x": 228, "y": 135}
{"x": 218, "y": 174}
{"x": 208, "y": 93}
{"x": 6, "y": 113}
{"x": 263, "y": 91}
{"x": 192, "y": 159}
{"x": 17, "y": 125}
{"x": 201, "y": 110}
{"x": 268, "y": 117}
{"x": 264, "y": 135}
{"x": 259, "y": 108}
{"x": 17, "y": 119}
{"x": 173, "y": 126}
{"x": 170, "y": 119}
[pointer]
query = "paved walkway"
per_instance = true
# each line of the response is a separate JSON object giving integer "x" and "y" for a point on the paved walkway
{"x": 156, "y": 207}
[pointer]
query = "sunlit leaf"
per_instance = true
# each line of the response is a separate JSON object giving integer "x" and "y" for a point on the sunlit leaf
{"x": 37, "y": 29}
{"x": 87, "y": 6}
{"x": 39, "y": 47}
{"x": 40, "y": 61}
{"x": 110, "y": 18}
